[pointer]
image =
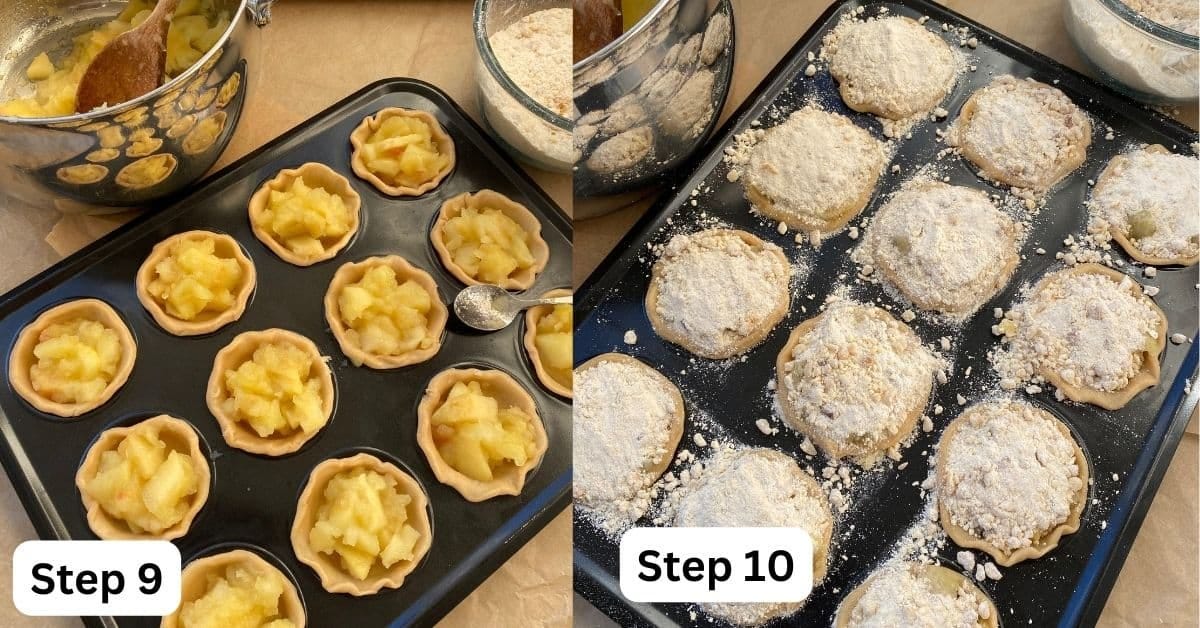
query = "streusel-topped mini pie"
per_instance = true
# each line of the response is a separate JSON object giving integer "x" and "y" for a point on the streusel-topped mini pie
{"x": 145, "y": 481}
{"x": 488, "y": 238}
{"x": 480, "y": 432}
{"x": 627, "y": 422}
{"x": 271, "y": 391}
{"x": 945, "y": 248}
{"x": 889, "y": 66}
{"x": 548, "y": 341}
{"x": 1011, "y": 480}
{"x": 854, "y": 380}
{"x": 815, "y": 171}
{"x": 1022, "y": 133}
{"x": 402, "y": 152}
{"x": 235, "y": 588}
{"x": 385, "y": 313}
{"x": 718, "y": 292}
{"x": 72, "y": 358}
{"x": 1146, "y": 200}
{"x": 1089, "y": 330}
{"x": 362, "y": 524}
{"x": 916, "y": 594}
{"x": 758, "y": 488}
{"x": 195, "y": 282}
{"x": 305, "y": 215}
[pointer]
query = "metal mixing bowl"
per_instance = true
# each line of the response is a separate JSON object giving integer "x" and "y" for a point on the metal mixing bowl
{"x": 56, "y": 162}
{"x": 649, "y": 98}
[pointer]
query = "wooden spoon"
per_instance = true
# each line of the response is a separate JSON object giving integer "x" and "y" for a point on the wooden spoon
{"x": 130, "y": 65}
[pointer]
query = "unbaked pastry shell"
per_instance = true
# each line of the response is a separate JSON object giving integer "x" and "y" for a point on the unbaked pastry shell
{"x": 944, "y": 580}
{"x": 22, "y": 359}
{"x": 866, "y": 105}
{"x": 769, "y": 611}
{"x": 524, "y": 278}
{"x": 206, "y": 322}
{"x": 328, "y": 567}
{"x": 863, "y": 455}
{"x": 675, "y": 429}
{"x": 666, "y": 329}
{"x": 1145, "y": 378}
{"x": 194, "y": 583}
{"x": 532, "y": 316}
{"x": 985, "y": 289}
{"x": 510, "y": 479}
{"x": 240, "y": 350}
{"x": 370, "y": 124}
{"x": 834, "y": 218}
{"x": 1041, "y": 545}
{"x": 1043, "y": 180}
{"x": 1120, "y": 236}
{"x": 314, "y": 175}
{"x": 179, "y": 436}
{"x": 352, "y": 272}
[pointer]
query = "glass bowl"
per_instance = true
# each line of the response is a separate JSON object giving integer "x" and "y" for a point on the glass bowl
{"x": 1134, "y": 55}
{"x": 527, "y": 129}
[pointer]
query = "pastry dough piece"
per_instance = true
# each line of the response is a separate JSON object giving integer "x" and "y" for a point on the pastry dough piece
{"x": 758, "y": 488}
{"x": 236, "y": 588}
{"x": 402, "y": 152}
{"x": 945, "y": 248}
{"x": 480, "y": 432}
{"x": 305, "y": 215}
{"x": 548, "y": 342}
{"x": 145, "y": 481}
{"x": 385, "y": 313}
{"x": 915, "y": 594}
{"x": 1089, "y": 330}
{"x": 815, "y": 171}
{"x": 72, "y": 358}
{"x": 1146, "y": 200}
{"x": 196, "y": 282}
{"x": 1011, "y": 480}
{"x": 487, "y": 238}
{"x": 362, "y": 524}
{"x": 271, "y": 391}
{"x": 854, "y": 380}
{"x": 1022, "y": 133}
{"x": 890, "y": 66}
{"x": 719, "y": 292}
{"x": 628, "y": 419}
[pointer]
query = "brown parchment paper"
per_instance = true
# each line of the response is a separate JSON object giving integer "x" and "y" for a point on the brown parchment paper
{"x": 313, "y": 54}
{"x": 1159, "y": 582}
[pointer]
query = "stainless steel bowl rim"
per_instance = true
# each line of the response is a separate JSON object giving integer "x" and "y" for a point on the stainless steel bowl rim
{"x": 258, "y": 10}
{"x": 1151, "y": 27}
{"x": 489, "y": 60}
{"x": 640, "y": 26}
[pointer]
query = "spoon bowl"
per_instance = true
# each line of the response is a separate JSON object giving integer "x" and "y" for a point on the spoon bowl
{"x": 492, "y": 308}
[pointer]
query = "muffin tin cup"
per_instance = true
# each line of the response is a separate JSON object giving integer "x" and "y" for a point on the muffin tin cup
{"x": 252, "y": 500}
{"x": 1129, "y": 449}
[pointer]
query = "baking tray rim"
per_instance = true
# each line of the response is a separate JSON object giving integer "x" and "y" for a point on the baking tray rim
{"x": 463, "y": 577}
{"x": 1112, "y": 548}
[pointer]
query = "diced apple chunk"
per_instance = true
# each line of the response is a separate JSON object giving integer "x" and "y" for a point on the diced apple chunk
{"x": 476, "y": 437}
{"x": 384, "y": 315}
{"x": 362, "y": 521}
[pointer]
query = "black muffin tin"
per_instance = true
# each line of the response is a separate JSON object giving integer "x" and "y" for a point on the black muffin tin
{"x": 1069, "y": 585}
{"x": 253, "y": 498}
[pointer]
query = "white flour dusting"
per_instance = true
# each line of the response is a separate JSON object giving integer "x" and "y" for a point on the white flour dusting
{"x": 622, "y": 417}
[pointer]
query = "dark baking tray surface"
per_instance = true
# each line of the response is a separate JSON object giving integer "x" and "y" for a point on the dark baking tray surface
{"x": 1067, "y": 587}
{"x": 253, "y": 498}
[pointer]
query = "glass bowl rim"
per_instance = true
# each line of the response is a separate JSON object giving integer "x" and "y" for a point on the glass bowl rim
{"x": 1150, "y": 27}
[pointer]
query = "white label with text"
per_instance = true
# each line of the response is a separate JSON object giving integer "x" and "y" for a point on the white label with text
{"x": 716, "y": 564}
{"x": 57, "y": 578}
